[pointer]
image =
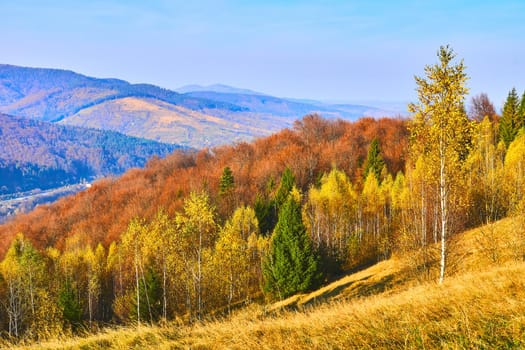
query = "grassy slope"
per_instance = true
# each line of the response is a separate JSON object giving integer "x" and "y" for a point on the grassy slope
{"x": 482, "y": 305}
{"x": 158, "y": 120}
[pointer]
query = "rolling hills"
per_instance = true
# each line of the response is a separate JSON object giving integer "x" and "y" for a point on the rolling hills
{"x": 38, "y": 154}
{"x": 196, "y": 119}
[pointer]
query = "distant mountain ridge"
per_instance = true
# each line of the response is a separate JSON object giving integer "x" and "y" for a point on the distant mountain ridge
{"x": 38, "y": 154}
{"x": 222, "y": 88}
{"x": 201, "y": 116}
{"x": 53, "y": 94}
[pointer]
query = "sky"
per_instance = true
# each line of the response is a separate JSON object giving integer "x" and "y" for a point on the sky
{"x": 345, "y": 51}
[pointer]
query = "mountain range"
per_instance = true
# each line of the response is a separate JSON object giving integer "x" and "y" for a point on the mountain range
{"x": 196, "y": 116}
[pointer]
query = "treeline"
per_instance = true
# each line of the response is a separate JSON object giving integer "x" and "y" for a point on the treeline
{"x": 198, "y": 234}
{"x": 36, "y": 154}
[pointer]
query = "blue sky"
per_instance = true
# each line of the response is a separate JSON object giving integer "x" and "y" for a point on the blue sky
{"x": 327, "y": 50}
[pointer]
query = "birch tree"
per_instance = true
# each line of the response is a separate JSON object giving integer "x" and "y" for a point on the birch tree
{"x": 199, "y": 228}
{"x": 330, "y": 217}
{"x": 440, "y": 133}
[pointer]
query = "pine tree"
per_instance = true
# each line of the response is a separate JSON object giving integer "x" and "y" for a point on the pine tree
{"x": 285, "y": 186}
{"x": 292, "y": 265}
{"x": 70, "y": 304}
{"x": 226, "y": 181}
{"x": 150, "y": 290}
{"x": 265, "y": 212}
{"x": 509, "y": 123}
{"x": 226, "y": 204}
{"x": 374, "y": 160}
{"x": 521, "y": 112}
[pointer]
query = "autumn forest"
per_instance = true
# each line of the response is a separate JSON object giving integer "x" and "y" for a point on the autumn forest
{"x": 202, "y": 233}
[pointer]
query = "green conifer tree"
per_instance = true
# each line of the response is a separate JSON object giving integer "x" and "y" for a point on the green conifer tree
{"x": 509, "y": 124}
{"x": 285, "y": 186}
{"x": 374, "y": 160}
{"x": 292, "y": 265}
{"x": 227, "y": 201}
{"x": 150, "y": 291}
{"x": 70, "y": 305}
{"x": 521, "y": 112}
{"x": 265, "y": 212}
{"x": 226, "y": 182}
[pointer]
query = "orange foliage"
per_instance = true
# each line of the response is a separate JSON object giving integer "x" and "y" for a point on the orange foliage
{"x": 313, "y": 146}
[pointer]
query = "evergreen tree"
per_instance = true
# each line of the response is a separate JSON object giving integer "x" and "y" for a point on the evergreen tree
{"x": 70, "y": 304}
{"x": 226, "y": 194}
{"x": 226, "y": 181}
{"x": 292, "y": 265}
{"x": 374, "y": 160}
{"x": 521, "y": 112}
{"x": 285, "y": 186}
{"x": 150, "y": 290}
{"x": 267, "y": 208}
{"x": 265, "y": 212}
{"x": 509, "y": 123}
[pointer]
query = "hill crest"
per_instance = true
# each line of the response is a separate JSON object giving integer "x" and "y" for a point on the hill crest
{"x": 61, "y": 95}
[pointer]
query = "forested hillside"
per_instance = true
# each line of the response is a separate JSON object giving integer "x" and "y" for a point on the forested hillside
{"x": 204, "y": 233}
{"x": 35, "y": 154}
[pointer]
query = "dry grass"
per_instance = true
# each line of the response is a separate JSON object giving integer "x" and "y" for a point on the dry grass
{"x": 481, "y": 306}
{"x": 474, "y": 311}
{"x": 158, "y": 120}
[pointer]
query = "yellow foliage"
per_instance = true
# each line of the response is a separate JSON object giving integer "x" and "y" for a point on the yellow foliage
{"x": 515, "y": 170}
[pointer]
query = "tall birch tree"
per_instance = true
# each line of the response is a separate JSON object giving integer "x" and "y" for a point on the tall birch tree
{"x": 440, "y": 133}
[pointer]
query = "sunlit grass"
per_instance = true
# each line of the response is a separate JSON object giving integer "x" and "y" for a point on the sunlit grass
{"x": 480, "y": 305}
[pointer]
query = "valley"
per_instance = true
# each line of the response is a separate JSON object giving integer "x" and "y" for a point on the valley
{"x": 42, "y": 155}
{"x": 18, "y": 203}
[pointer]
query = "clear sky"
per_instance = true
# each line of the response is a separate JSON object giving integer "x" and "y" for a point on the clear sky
{"x": 327, "y": 50}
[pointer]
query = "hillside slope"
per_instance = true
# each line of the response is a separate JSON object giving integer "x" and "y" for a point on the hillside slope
{"x": 36, "y": 154}
{"x": 158, "y": 120}
{"x": 480, "y": 306}
{"x": 105, "y": 210}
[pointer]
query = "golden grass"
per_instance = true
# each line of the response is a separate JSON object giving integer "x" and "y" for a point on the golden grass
{"x": 158, "y": 120}
{"x": 481, "y": 306}
{"x": 477, "y": 310}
